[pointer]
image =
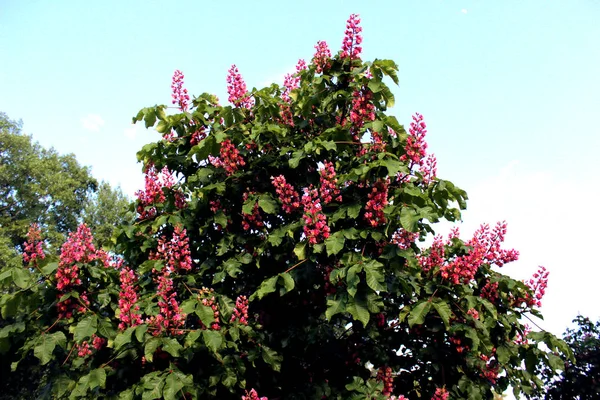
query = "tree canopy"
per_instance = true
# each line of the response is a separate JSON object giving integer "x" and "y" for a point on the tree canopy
{"x": 581, "y": 377}
{"x": 278, "y": 252}
{"x": 38, "y": 185}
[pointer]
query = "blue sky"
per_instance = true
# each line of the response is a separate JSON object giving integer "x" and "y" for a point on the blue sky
{"x": 509, "y": 89}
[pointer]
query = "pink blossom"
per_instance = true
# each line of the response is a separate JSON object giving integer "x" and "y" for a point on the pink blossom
{"x": 322, "y": 57}
{"x": 384, "y": 374}
{"x": 404, "y": 239}
{"x": 176, "y": 251}
{"x": 329, "y": 183}
{"x": 252, "y": 395}
{"x": 374, "y": 214}
{"x": 236, "y": 87}
{"x": 128, "y": 308}
{"x": 180, "y": 94}
{"x": 240, "y": 311}
{"x": 33, "y": 247}
{"x": 352, "y": 38}
{"x": 315, "y": 222}
{"x": 289, "y": 197}
{"x": 170, "y": 317}
{"x": 229, "y": 158}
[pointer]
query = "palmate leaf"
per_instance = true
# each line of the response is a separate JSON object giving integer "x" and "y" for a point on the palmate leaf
{"x": 418, "y": 313}
{"x": 46, "y": 344}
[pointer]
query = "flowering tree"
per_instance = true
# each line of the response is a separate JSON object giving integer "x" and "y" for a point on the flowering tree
{"x": 275, "y": 253}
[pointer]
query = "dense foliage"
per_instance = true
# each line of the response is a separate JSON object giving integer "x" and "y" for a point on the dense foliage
{"x": 38, "y": 185}
{"x": 276, "y": 253}
{"x": 581, "y": 377}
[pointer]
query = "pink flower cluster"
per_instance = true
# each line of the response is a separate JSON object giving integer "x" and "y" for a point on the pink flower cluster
{"x": 329, "y": 183}
{"x": 291, "y": 82}
{"x": 128, "y": 308}
{"x": 491, "y": 368}
{"x": 209, "y": 300}
{"x": 362, "y": 107}
{"x": 170, "y": 317}
{"x": 290, "y": 199}
{"x": 416, "y": 147}
{"x": 473, "y": 313}
{"x": 78, "y": 249}
{"x": 153, "y": 193}
{"x": 252, "y": 395}
{"x": 376, "y": 203}
{"x": 84, "y": 350}
{"x": 315, "y": 222}
{"x": 253, "y": 220}
{"x": 322, "y": 57}
{"x": 416, "y": 150}
{"x": 490, "y": 291}
{"x": 440, "y": 394}
{"x": 404, "y": 239}
{"x": 384, "y": 374}
{"x": 179, "y": 93}
{"x": 485, "y": 249}
{"x": 236, "y": 87}
{"x": 522, "y": 338}
{"x": 538, "y": 285}
{"x": 436, "y": 256}
{"x": 352, "y": 38}
{"x": 240, "y": 311}
{"x": 175, "y": 252}
{"x": 229, "y": 158}
{"x": 33, "y": 247}
{"x": 198, "y": 135}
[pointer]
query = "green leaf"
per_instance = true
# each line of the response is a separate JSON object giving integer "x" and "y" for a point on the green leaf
{"x": 266, "y": 287}
{"x": 171, "y": 346}
{"x": 335, "y": 243}
{"x": 352, "y": 279}
{"x": 334, "y": 306}
{"x": 140, "y": 331}
{"x": 192, "y": 337}
{"x": 172, "y": 387}
{"x": 206, "y": 314}
{"x": 123, "y": 338}
{"x": 354, "y": 210}
{"x": 212, "y": 339}
{"x": 106, "y": 328}
{"x": 189, "y": 306}
{"x": 296, "y": 157}
{"x": 97, "y": 378}
{"x": 359, "y": 311}
{"x": 418, "y": 313}
{"x": 46, "y": 344}
{"x": 50, "y": 268}
{"x": 21, "y": 277}
{"x": 409, "y": 219}
{"x": 443, "y": 310}
{"x": 288, "y": 281}
{"x": 150, "y": 348}
{"x": 86, "y": 328}
{"x": 300, "y": 250}
{"x": 375, "y": 279}
{"x": 268, "y": 204}
{"x": 271, "y": 357}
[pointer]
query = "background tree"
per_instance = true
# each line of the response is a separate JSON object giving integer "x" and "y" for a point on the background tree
{"x": 38, "y": 185}
{"x": 276, "y": 251}
{"x": 581, "y": 378}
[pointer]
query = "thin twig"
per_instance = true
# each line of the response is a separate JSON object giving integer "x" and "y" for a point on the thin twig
{"x": 295, "y": 265}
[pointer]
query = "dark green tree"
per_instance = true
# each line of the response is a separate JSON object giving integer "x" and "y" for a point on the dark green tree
{"x": 276, "y": 251}
{"x": 581, "y": 378}
{"x": 39, "y": 185}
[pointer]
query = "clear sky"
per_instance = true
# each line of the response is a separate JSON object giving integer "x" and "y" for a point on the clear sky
{"x": 509, "y": 89}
